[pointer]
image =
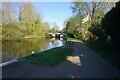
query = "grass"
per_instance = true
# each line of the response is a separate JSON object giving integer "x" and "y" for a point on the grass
{"x": 50, "y": 57}
{"x": 106, "y": 54}
{"x": 69, "y": 39}
{"x": 74, "y": 40}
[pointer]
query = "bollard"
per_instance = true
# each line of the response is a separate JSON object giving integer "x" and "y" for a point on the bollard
{"x": 33, "y": 53}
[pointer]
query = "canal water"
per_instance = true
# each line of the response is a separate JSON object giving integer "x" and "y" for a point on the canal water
{"x": 14, "y": 49}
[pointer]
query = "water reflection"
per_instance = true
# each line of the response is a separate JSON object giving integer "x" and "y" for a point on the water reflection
{"x": 12, "y": 49}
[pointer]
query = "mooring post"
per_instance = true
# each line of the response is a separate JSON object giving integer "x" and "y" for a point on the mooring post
{"x": 33, "y": 53}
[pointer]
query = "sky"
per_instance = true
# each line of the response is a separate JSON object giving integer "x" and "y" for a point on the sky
{"x": 54, "y": 12}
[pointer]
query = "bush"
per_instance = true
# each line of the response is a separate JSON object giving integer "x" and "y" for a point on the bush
{"x": 78, "y": 35}
{"x": 111, "y": 24}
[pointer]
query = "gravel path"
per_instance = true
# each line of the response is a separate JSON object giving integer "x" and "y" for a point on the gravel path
{"x": 91, "y": 66}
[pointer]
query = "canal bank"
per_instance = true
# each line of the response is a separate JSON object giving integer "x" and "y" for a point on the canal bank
{"x": 92, "y": 66}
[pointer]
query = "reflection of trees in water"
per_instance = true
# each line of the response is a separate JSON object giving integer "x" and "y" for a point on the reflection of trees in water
{"x": 57, "y": 42}
{"x": 53, "y": 42}
{"x": 0, "y": 50}
{"x": 0, "y": 45}
{"x": 15, "y": 48}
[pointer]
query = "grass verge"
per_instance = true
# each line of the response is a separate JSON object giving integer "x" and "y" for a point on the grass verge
{"x": 50, "y": 57}
{"x": 74, "y": 40}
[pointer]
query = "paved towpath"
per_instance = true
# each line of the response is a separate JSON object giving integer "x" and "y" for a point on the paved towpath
{"x": 92, "y": 66}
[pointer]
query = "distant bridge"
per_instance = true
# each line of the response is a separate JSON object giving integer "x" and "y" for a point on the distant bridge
{"x": 52, "y": 35}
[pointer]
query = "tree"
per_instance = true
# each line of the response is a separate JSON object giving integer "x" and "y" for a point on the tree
{"x": 75, "y": 26}
{"x": 55, "y": 27}
{"x": 20, "y": 20}
{"x": 45, "y": 28}
{"x": 9, "y": 21}
{"x": 111, "y": 25}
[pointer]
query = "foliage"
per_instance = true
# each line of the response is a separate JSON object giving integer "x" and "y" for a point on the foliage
{"x": 92, "y": 28}
{"x": 20, "y": 20}
{"x": 78, "y": 35}
{"x": 111, "y": 25}
{"x": 9, "y": 31}
{"x": 98, "y": 32}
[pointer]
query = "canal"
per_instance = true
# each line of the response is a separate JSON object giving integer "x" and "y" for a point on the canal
{"x": 14, "y": 49}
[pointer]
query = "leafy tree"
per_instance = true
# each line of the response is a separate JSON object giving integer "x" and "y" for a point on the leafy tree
{"x": 20, "y": 20}
{"x": 111, "y": 25}
{"x": 95, "y": 11}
